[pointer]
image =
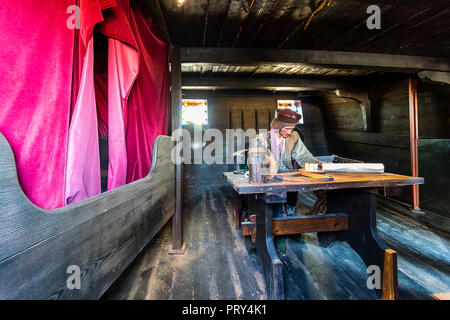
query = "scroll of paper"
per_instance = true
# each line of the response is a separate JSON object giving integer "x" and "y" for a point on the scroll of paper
{"x": 353, "y": 167}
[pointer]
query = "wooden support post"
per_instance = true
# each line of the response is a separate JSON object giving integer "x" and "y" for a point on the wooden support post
{"x": 390, "y": 282}
{"x": 265, "y": 249}
{"x": 175, "y": 94}
{"x": 253, "y": 234}
{"x": 413, "y": 137}
{"x": 237, "y": 210}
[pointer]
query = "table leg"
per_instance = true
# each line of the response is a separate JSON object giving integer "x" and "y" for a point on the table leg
{"x": 265, "y": 249}
{"x": 362, "y": 234}
{"x": 237, "y": 210}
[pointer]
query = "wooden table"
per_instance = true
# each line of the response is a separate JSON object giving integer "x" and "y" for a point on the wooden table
{"x": 351, "y": 217}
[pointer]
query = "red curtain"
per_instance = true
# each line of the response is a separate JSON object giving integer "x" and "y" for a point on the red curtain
{"x": 47, "y": 99}
{"x": 138, "y": 85}
{"x": 35, "y": 93}
{"x": 148, "y": 103}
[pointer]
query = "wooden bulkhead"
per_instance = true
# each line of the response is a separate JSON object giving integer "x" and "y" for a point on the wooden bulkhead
{"x": 102, "y": 235}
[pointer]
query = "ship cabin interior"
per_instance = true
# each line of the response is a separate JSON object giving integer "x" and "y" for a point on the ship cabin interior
{"x": 371, "y": 81}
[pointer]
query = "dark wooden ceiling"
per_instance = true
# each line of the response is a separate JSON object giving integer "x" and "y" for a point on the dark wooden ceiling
{"x": 408, "y": 27}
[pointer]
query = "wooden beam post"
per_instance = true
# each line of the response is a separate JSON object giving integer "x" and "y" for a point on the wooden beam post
{"x": 413, "y": 137}
{"x": 237, "y": 210}
{"x": 389, "y": 290}
{"x": 295, "y": 84}
{"x": 175, "y": 97}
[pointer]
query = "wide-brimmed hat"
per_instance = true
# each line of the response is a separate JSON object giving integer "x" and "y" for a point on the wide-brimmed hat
{"x": 288, "y": 116}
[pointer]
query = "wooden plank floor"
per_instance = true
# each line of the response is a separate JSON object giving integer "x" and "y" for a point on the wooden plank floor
{"x": 217, "y": 263}
{"x": 220, "y": 264}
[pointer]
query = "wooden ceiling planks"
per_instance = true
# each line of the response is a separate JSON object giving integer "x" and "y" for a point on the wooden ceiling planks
{"x": 393, "y": 19}
{"x": 327, "y": 26}
{"x": 359, "y": 31}
{"x": 305, "y": 21}
{"x": 262, "y": 16}
{"x": 389, "y": 30}
{"x": 236, "y": 14}
{"x": 407, "y": 27}
{"x": 251, "y": 9}
{"x": 249, "y": 27}
{"x": 397, "y": 25}
{"x": 223, "y": 21}
{"x": 215, "y": 15}
{"x": 282, "y": 21}
{"x": 434, "y": 33}
{"x": 205, "y": 24}
{"x": 185, "y": 23}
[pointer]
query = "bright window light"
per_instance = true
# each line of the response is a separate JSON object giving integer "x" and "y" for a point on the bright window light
{"x": 295, "y": 105}
{"x": 194, "y": 112}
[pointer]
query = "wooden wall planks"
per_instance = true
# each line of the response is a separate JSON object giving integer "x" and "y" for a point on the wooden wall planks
{"x": 256, "y": 111}
{"x": 390, "y": 141}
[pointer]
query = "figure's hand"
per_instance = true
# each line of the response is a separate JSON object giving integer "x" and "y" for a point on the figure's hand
{"x": 320, "y": 163}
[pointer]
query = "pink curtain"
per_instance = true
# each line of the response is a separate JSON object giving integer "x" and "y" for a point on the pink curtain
{"x": 35, "y": 89}
{"x": 83, "y": 159}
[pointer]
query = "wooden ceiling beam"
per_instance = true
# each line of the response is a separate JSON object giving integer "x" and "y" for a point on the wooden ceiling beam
{"x": 339, "y": 59}
{"x": 279, "y": 84}
{"x": 411, "y": 3}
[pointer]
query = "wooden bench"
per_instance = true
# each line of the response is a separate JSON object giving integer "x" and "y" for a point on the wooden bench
{"x": 101, "y": 235}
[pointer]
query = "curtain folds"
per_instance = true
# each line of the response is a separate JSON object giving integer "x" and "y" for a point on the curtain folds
{"x": 123, "y": 66}
{"x": 54, "y": 107}
{"x": 138, "y": 91}
{"x": 83, "y": 159}
{"x": 35, "y": 92}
